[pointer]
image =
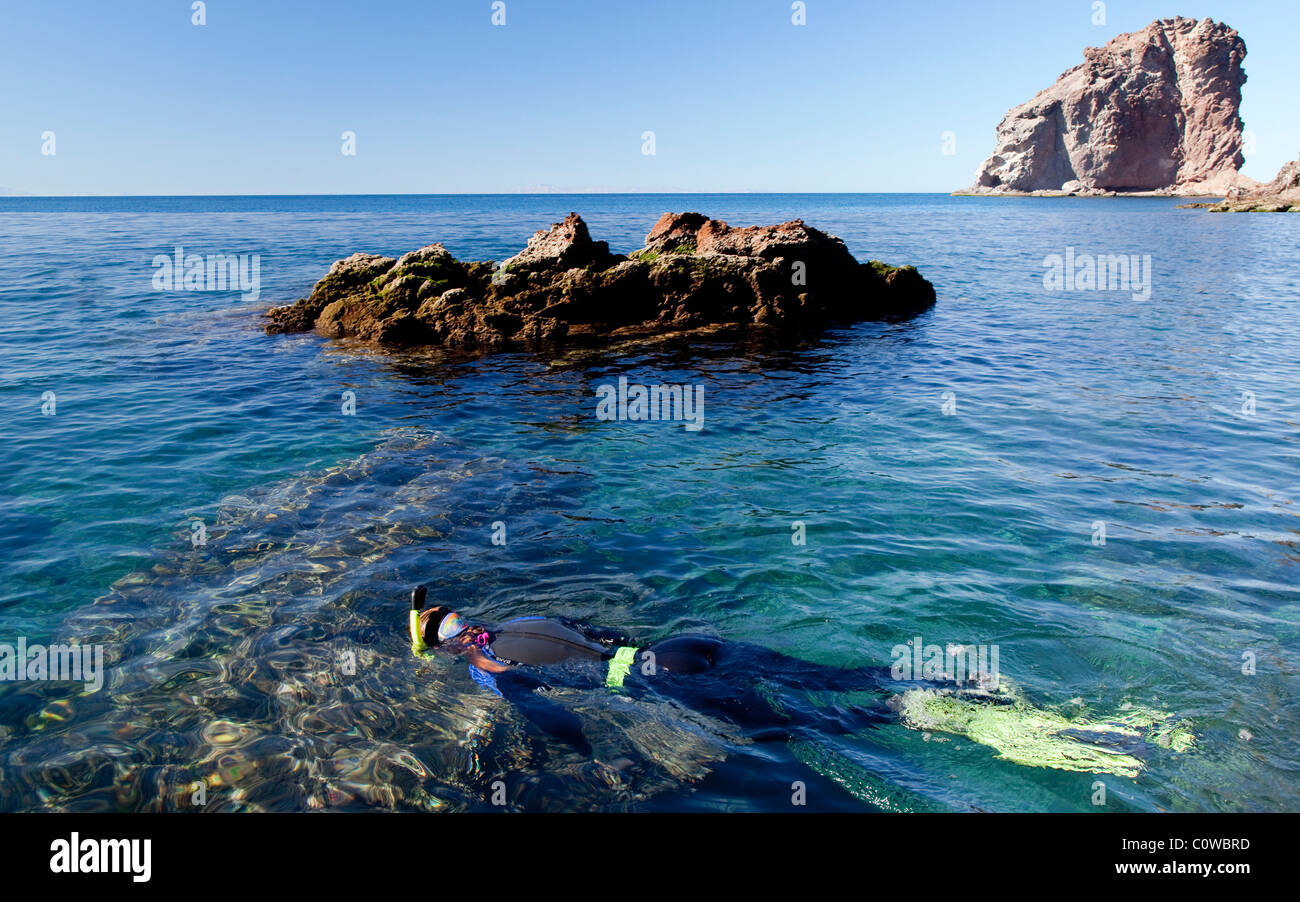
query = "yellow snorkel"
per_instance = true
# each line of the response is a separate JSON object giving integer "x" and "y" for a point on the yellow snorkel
{"x": 418, "y": 645}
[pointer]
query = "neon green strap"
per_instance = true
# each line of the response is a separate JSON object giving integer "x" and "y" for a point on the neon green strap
{"x": 619, "y": 665}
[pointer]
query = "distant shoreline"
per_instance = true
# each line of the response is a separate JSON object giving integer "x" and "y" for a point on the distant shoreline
{"x": 5, "y": 197}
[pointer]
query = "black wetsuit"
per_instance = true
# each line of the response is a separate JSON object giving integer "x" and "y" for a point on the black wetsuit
{"x": 757, "y": 689}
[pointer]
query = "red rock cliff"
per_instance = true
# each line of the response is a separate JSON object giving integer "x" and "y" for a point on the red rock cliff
{"x": 1155, "y": 110}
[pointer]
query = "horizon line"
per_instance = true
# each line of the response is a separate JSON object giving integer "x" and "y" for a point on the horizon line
{"x": 457, "y": 194}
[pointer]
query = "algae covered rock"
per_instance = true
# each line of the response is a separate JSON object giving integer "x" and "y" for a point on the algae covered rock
{"x": 693, "y": 274}
{"x": 1282, "y": 195}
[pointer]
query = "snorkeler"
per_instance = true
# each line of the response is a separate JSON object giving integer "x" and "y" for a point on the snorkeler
{"x": 764, "y": 692}
{"x": 736, "y": 680}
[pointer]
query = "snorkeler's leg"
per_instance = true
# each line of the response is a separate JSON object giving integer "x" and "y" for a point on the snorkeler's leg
{"x": 797, "y": 673}
{"x": 685, "y": 668}
{"x": 763, "y": 690}
{"x": 833, "y": 715}
{"x": 751, "y": 686}
{"x": 683, "y": 654}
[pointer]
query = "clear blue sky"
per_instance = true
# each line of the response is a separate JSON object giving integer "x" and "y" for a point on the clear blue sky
{"x": 143, "y": 102}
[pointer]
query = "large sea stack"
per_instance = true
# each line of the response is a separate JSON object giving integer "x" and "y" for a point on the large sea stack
{"x": 1152, "y": 111}
{"x": 694, "y": 274}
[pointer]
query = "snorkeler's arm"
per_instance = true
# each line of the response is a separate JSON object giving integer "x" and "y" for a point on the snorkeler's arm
{"x": 483, "y": 662}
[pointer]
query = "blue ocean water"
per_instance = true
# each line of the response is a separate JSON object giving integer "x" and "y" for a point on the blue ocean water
{"x": 950, "y": 471}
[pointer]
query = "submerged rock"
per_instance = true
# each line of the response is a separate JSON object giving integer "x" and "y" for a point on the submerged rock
{"x": 1282, "y": 195}
{"x": 694, "y": 273}
{"x": 1154, "y": 111}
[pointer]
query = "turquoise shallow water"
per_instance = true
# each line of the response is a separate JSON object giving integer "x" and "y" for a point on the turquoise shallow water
{"x": 971, "y": 527}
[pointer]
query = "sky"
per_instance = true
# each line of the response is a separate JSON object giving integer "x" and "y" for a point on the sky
{"x": 140, "y": 100}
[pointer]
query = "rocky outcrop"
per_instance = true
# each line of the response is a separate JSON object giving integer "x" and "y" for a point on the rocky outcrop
{"x": 1153, "y": 111}
{"x": 1282, "y": 195}
{"x": 694, "y": 273}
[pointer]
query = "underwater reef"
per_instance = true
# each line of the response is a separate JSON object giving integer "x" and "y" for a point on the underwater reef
{"x": 694, "y": 274}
